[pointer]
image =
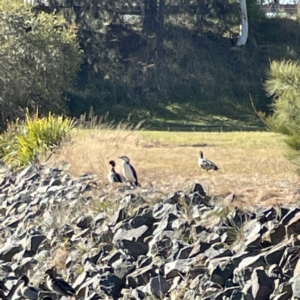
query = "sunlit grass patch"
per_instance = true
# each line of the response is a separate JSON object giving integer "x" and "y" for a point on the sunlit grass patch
{"x": 252, "y": 164}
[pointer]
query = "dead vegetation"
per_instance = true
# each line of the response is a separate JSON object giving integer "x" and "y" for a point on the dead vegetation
{"x": 252, "y": 164}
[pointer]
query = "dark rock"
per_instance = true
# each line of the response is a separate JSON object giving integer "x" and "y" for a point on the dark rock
{"x": 293, "y": 226}
{"x": 262, "y": 285}
{"x": 274, "y": 255}
{"x": 282, "y": 296}
{"x": 84, "y": 222}
{"x": 185, "y": 252}
{"x": 197, "y": 188}
{"x": 199, "y": 247}
{"x": 33, "y": 242}
{"x": 277, "y": 234}
{"x": 9, "y": 250}
{"x": 158, "y": 287}
{"x": 134, "y": 249}
{"x": 291, "y": 213}
{"x": 220, "y": 270}
{"x": 141, "y": 276}
{"x": 111, "y": 285}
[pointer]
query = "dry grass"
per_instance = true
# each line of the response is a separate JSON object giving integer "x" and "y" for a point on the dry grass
{"x": 252, "y": 164}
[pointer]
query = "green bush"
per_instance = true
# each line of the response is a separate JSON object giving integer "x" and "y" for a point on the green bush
{"x": 25, "y": 142}
{"x": 283, "y": 84}
{"x": 39, "y": 58}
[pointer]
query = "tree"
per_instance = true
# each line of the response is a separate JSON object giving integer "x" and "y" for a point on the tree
{"x": 283, "y": 84}
{"x": 39, "y": 57}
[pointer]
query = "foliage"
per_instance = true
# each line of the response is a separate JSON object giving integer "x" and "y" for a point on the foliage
{"x": 283, "y": 84}
{"x": 24, "y": 142}
{"x": 39, "y": 57}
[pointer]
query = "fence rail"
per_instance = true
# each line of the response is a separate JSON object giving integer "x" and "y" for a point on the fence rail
{"x": 275, "y": 8}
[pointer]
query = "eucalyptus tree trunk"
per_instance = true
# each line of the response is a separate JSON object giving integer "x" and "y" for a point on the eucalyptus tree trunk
{"x": 242, "y": 40}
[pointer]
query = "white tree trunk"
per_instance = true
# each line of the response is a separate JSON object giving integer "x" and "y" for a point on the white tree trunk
{"x": 242, "y": 40}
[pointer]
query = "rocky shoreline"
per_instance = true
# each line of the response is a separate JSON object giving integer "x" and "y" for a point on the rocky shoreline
{"x": 186, "y": 245}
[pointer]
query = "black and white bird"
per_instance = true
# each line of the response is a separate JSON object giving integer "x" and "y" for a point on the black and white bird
{"x": 129, "y": 171}
{"x": 25, "y": 290}
{"x": 58, "y": 285}
{"x": 113, "y": 176}
{"x": 206, "y": 164}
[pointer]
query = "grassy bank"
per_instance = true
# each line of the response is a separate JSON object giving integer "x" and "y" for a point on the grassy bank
{"x": 252, "y": 164}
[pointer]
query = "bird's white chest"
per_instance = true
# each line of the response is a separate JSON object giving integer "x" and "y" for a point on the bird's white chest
{"x": 128, "y": 172}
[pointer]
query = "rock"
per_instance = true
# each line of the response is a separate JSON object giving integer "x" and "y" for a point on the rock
{"x": 262, "y": 285}
{"x": 199, "y": 247}
{"x": 123, "y": 268}
{"x": 197, "y": 188}
{"x": 273, "y": 256}
{"x": 33, "y": 242}
{"x": 131, "y": 234}
{"x": 220, "y": 270}
{"x": 142, "y": 276}
{"x": 134, "y": 249}
{"x": 111, "y": 285}
{"x": 158, "y": 287}
{"x": 9, "y": 250}
{"x": 177, "y": 267}
{"x": 293, "y": 226}
{"x": 84, "y": 222}
{"x": 290, "y": 214}
{"x": 295, "y": 281}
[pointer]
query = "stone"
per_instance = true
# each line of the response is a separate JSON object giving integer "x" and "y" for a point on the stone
{"x": 220, "y": 270}
{"x": 141, "y": 276}
{"x": 134, "y": 249}
{"x": 199, "y": 247}
{"x": 273, "y": 256}
{"x": 290, "y": 214}
{"x": 84, "y": 222}
{"x": 123, "y": 268}
{"x": 293, "y": 226}
{"x": 33, "y": 242}
{"x": 131, "y": 234}
{"x": 177, "y": 267}
{"x": 9, "y": 250}
{"x": 262, "y": 285}
{"x": 198, "y": 188}
{"x": 158, "y": 287}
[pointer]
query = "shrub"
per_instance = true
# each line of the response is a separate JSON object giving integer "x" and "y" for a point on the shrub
{"x": 39, "y": 57}
{"x": 283, "y": 84}
{"x": 25, "y": 142}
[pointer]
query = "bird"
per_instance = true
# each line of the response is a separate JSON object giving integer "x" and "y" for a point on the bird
{"x": 206, "y": 164}
{"x": 113, "y": 176}
{"x": 58, "y": 285}
{"x": 129, "y": 171}
{"x": 26, "y": 291}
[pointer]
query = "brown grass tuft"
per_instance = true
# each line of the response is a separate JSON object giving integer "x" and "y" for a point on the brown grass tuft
{"x": 60, "y": 257}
